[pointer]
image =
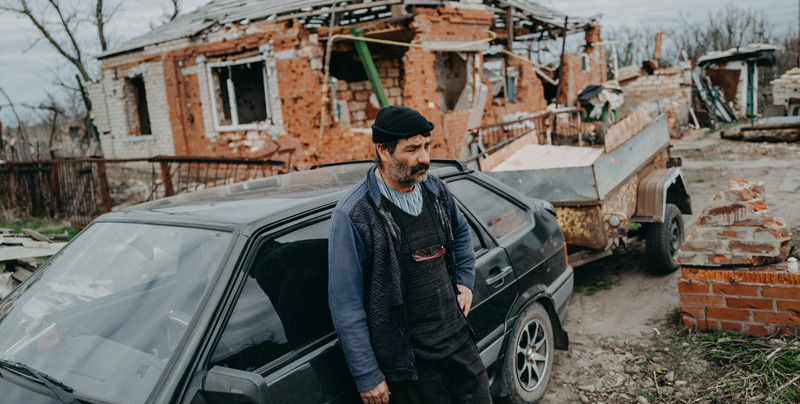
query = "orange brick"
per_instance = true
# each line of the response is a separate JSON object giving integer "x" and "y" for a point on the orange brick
{"x": 727, "y": 314}
{"x": 693, "y": 311}
{"x": 735, "y": 290}
{"x": 702, "y": 300}
{"x": 788, "y": 305}
{"x": 747, "y": 303}
{"x": 787, "y": 330}
{"x": 757, "y": 329}
{"x": 730, "y": 326}
{"x": 781, "y": 292}
{"x": 689, "y": 322}
{"x": 773, "y": 317}
{"x": 694, "y": 287}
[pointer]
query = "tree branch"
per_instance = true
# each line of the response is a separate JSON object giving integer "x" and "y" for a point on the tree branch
{"x": 100, "y": 21}
{"x": 14, "y": 111}
{"x": 176, "y": 9}
{"x": 26, "y": 11}
{"x": 67, "y": 29}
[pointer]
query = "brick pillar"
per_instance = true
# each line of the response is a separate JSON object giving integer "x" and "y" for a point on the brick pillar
{"x": 734, "y": 276}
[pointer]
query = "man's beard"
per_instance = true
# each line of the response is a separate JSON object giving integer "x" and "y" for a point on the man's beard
{"x": 406, "y": 175}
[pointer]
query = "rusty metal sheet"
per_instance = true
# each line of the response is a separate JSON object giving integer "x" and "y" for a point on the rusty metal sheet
{"x": 583, "y": 227}
{"x": 623, "y": 200}
{"x": 621, "y": 203}
{"x": 652, "y": 194}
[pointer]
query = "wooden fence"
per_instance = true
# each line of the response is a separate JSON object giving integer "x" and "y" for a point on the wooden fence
{"x": 78, "y": 190}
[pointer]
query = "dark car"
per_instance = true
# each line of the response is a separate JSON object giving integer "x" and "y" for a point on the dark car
{"x": 220, "y": 296}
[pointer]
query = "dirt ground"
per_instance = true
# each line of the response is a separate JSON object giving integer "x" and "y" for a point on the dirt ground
{"x": 626, "y": 341}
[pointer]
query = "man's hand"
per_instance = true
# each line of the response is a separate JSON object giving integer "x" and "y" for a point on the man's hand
{"x": 376, "y": 395}
{"x": 464, "y": 298}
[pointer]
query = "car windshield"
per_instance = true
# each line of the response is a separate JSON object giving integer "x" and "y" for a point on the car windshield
{"x": 105, "y": 315}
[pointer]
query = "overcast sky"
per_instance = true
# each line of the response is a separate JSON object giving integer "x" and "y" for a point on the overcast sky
{"x": 28, "y": 67}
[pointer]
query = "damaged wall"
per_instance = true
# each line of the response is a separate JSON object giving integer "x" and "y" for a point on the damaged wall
{"x": 668, "y": 90}
{"x": 580, "y": 71}
{"x": 204, "y": 94}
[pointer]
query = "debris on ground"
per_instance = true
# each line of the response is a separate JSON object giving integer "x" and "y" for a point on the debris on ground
{"x": 17, "y": 251}
{"x": 773, "y": 130}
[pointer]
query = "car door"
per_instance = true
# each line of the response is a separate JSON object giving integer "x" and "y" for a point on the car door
{"x": 280, "y": 326}
{"x": 513, "y": 224}
{"x": 495, "y": 282}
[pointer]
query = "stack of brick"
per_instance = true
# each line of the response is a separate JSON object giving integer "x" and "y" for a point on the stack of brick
{"x": 786, "y": 87}
{"x": 733, "y": 272}
{"x": 667, "y": 90}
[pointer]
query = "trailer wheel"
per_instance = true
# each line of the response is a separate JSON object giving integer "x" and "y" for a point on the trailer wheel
{"x": 664, "y": 240}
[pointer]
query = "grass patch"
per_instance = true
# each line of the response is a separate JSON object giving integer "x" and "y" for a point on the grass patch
{"x": 8, "y": 220}
{"x": 591, "y": 285}
{"x": 698, "y": 180}
{"x": 752, "y": 368}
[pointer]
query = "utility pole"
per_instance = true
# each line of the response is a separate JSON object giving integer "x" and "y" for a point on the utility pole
{"x": 798, "y": 33}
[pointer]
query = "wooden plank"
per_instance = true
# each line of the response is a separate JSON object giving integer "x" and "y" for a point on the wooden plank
{"x": 626, "y": 129}
{"x": 15, "y": 253}
{"x": 36, "y": 235}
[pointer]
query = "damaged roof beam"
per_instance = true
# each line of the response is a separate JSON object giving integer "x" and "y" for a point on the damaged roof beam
{"x": 339, "y": 10}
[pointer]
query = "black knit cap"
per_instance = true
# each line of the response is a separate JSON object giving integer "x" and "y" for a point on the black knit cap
{"x": 398, "y": 122}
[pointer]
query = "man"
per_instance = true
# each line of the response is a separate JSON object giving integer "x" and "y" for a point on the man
{"x": 401, "y": 271}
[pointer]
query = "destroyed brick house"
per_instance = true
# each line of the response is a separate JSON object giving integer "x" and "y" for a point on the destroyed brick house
{"x": 246, "y": 78}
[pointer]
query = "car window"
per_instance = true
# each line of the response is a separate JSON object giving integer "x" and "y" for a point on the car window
{"x": 284, "y": 303}
{"x": 477, "y": 243}
{"x": 498, "y": 214}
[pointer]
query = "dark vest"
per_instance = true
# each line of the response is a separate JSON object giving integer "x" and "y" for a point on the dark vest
{"x": 435, "y": 324}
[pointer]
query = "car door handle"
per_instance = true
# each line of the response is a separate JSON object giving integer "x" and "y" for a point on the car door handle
{"x": 497, "y": 279}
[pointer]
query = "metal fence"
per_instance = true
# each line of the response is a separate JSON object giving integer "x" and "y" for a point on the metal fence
{"x": 78, "y": 190}
{"x": 562, "y": 126}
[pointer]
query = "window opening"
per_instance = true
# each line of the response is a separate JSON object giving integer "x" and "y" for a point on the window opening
{"x": 139, "y": 118}
{"x": 240, "y": 94}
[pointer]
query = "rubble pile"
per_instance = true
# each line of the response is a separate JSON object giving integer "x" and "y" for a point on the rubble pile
{"x": 736, "y": 228}
{"x": 786, "y": 87}
{"x": 627, "y": 372}
{"x": 17, "y": 251}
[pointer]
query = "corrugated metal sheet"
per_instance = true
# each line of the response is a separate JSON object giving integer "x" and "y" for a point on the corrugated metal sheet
{"x": 221, "y": 12}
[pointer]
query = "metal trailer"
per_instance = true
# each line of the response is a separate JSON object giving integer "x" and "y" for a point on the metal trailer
{"x": 608, "y": 199}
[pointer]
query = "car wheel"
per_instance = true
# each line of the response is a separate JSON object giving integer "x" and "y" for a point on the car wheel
{"x": 529, "y": 356}
{"x": 664, "y": 240}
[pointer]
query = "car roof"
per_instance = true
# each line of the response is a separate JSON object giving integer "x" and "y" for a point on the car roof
{"x": 253, "y": 204}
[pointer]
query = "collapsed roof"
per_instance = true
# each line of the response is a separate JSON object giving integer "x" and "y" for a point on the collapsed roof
{"x": 528, "y": 17}
{"x": 763, "y": 54}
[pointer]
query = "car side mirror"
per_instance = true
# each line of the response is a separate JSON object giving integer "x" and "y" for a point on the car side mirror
{"x": 225, "y": 385}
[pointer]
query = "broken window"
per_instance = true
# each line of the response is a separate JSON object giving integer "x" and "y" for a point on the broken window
{"x": 451, "y": 80}
{"x": 239, "y": 94}
{"x": 138, "y": 116}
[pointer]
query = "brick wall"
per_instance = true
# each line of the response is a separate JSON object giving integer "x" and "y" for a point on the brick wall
{"x": 786, "y": 87}
{"x": 182, "y": 115}
{"x": 667, "y": 90}
{"x": 572, "y": 76}
{"x": 111, "y": 107}
{"x": 733, "y": 275}
{"x": 753, "y": 302}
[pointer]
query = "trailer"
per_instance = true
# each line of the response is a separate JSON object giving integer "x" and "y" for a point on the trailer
{"x": 605, "y": 196}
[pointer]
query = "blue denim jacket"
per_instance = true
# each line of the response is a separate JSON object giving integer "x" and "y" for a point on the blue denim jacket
{"x": 365, "y": 282}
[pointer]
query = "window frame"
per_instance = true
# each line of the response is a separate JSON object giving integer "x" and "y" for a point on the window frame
{"x": 527, "y": 216}
{"x": 261, "y": 238}
{"x": 212, "y": 89}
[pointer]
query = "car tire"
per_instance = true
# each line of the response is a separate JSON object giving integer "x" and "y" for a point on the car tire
{"x": 663, "y": 241}
{"x": 529, "y": 356}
